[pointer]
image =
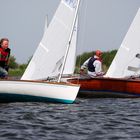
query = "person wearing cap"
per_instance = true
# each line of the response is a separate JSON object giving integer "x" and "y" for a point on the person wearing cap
{"x": 4, "y": 57}
{"x": 93, "y": 65}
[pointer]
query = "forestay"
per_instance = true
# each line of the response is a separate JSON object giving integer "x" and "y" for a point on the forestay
{"x": 126, "y": 59}
{"x": 48, "y": 58}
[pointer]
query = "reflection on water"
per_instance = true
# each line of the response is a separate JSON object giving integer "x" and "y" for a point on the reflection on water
{"x": 86, "y": 119}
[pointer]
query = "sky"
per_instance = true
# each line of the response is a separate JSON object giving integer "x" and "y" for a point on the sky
{"x": 102, "y": 24}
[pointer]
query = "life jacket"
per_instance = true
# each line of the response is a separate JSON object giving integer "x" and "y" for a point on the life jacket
{"x": 91, "y": 67}
{"x": 4, "y": 55}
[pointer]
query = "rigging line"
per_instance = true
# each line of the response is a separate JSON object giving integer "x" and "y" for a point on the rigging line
{"x": 82, "y": 28}
{"x": 69, "y": 41}
{"x": 83, "y": 16}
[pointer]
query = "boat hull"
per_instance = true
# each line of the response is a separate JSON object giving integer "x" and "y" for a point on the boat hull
{"x": 108, "y": 87}
{"x": 22, "y": 91}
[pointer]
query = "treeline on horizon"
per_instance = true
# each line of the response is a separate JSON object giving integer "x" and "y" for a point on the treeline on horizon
{"x": 107, "y": 57}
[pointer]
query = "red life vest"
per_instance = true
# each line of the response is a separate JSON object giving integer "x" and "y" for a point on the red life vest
{"x": 3, "y": 55}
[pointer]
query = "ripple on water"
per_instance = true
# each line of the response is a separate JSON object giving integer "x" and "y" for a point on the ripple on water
{"x": 85, "y": 119}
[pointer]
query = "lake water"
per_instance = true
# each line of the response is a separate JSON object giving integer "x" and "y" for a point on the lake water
{"x": 86, "y": 119}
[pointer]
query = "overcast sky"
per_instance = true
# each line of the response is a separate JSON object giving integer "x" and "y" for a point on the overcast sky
{"x": 102, "y": 24}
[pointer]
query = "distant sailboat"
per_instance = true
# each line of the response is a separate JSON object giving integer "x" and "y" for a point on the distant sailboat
{"x": 48, "y": 60}
{"x": 123, "y": 76}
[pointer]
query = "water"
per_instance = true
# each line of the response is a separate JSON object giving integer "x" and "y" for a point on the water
{"x": 86, "y": 119}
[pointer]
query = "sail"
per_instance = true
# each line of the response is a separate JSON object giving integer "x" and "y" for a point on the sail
{"x": 71, "y": 58}
{"x": 47, "y": 59}
{"x": 127, "y": 61}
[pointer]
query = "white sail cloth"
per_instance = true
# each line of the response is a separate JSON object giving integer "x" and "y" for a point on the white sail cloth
{"x": 48, "y": 58}
{"x": 127, "y": 55}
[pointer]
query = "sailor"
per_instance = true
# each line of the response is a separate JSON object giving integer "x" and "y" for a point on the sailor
{"x": 4, "y": 57}
{"x": 93, "y": 65}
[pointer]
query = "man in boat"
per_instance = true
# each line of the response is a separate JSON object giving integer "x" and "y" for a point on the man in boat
{"x": 4, "y": 57}
{"x": 93, "y": 65}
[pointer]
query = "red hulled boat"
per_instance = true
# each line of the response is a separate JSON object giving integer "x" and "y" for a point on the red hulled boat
{"x": 108, "y": 87}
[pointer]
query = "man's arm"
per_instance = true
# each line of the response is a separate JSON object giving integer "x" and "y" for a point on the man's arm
{"x": 85, "y": 64}
{"x": 98, "y": 68}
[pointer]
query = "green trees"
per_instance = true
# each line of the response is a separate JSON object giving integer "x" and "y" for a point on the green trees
{"x": 108, "y": 56}
{"x": 12, "y": 63}
{"x": 16, "y": 69}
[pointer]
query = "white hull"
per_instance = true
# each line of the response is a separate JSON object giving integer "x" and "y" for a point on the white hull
{"x": 37, "y": 91}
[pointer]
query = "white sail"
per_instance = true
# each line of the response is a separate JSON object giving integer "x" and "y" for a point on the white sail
{"x": 47, "y": 60}
{"x": 71, "y": 58}
{"x": 126, "y": 61}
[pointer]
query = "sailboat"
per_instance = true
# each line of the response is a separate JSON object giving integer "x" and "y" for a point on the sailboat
{"x": 123, "y": 76}
{"x": 48, "y": 63}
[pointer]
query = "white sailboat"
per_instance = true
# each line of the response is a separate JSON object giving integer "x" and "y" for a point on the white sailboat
{"x": 49, "y": 60}
{"x": 126, "y": 62}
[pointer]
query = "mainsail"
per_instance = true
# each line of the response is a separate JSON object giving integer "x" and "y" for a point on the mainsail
{"x": 71, "y": 58}
{"x": 126, "y": 61}
{"x": 50, "y": 53}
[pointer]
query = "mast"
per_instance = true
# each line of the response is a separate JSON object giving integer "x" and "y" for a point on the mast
{"x": 69, "y": 42}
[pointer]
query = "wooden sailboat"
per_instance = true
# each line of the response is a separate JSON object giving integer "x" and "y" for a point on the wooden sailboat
{"x": 123, "y": 76}
{"x": 48, "y": 61}
{"x": 108, "y": 87}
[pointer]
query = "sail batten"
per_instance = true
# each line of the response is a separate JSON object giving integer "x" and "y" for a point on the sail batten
{"x": 44, "y": 47}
